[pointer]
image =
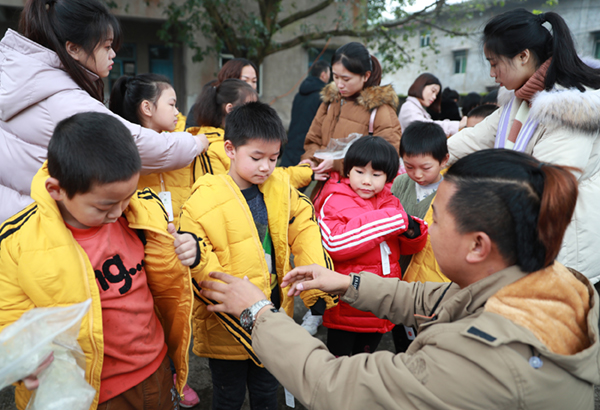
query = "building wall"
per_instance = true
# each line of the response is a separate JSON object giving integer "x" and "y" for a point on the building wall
{"x": 582, "y": 17}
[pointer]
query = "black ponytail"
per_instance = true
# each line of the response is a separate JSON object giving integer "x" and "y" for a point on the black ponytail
{"x": 510, "y": 33}
{"x": 129, "y": 92}
{"x": 87, "y": 23}
{"x": 209, "y": 109}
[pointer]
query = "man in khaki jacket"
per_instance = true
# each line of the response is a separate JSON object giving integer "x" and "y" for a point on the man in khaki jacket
{"x": 507, "y": 333}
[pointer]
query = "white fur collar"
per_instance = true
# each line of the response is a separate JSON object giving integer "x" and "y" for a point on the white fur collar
{"x": 562, "y": 107}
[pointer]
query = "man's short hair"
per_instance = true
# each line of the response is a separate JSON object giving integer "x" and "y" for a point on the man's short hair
{"x": 319, "y": 67}
{"x": 254, "y": 120}
{"x": 424, "y": 138}
{"x": 482, "y": 111}
{"x": 91, "y": 148}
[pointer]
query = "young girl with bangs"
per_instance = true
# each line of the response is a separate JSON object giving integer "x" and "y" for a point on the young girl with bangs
{"x": 364, "y": 228}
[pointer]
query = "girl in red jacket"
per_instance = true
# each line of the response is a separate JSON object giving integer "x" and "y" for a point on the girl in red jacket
{"x": 364, "y": 228}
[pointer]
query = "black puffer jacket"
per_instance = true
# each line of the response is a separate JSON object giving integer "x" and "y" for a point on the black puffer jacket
{"x": 305, "y": 106}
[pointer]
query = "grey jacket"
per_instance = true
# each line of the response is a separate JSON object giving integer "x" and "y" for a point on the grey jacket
{"x": 464, "y": 356}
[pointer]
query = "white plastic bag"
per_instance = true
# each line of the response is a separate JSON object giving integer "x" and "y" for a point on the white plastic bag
{"x": 337, "y": 148}
{"x": 26, "y": 343}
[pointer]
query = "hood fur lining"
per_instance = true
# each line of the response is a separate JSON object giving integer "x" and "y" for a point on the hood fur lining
{"x": 370, "y": 97}
{"x": 552, "y": 303}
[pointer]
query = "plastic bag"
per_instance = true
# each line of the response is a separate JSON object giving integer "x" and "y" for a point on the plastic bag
{"x": 336, "y": 149}
{"x": 26, "y": 343}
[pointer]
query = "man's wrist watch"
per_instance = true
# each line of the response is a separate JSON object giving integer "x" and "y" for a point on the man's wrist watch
{"x": 248, "y": 316}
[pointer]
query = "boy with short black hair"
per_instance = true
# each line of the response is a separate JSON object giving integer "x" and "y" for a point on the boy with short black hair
{"x": 91, "y": 234}
{"x": 247, "y": 223}
{"x": 424, "y": 151}
{"x": 478, "y": 114}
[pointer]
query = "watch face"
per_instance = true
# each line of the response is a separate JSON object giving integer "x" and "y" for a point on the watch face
{"x": 246, "y": 319}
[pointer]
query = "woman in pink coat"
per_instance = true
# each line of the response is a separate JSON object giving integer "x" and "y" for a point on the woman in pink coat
{"x": 52, "y": 70}
{"x": 425, "y": 93}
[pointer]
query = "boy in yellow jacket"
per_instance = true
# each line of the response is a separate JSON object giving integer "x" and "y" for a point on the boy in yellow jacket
{"x": 247, "y": 223}
{"x": 91, "y": 235}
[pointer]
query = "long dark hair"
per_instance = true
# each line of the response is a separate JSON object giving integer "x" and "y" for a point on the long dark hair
{"x": 129, "y": 92}
{"x": 517, "y": 30}
{"x": 209, "y": 109}
{"x": 86, "y": 23}
{"x": 356, "y": 58}
{"x": 422, "y": 81}
{"x": 523, "y": 205}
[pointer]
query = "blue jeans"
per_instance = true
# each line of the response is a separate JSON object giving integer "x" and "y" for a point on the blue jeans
{"x": 230, "y": 378}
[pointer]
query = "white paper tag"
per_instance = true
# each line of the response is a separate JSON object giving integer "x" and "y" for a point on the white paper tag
{"x": 410, "y": 332}
{"x": 289, "y": 399}
{"x": 385, "y": 257}
{"x": 165, "y": 198}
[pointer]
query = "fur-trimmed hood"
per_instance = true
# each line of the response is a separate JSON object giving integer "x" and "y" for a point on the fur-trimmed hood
{"x": 563, "y": 107}
{"x": 370, "y": 97}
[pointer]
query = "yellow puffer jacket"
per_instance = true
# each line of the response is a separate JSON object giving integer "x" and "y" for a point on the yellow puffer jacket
{"x": 423, "y": 266}
{"x": 215, "y": 161}
{"x": 178, "y": 182}
{"x": 219, "y": 215}
{"x": 41, "y": 265}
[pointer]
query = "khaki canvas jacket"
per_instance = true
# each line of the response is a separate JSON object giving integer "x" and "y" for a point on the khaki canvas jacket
{"x": 464, "y": 357}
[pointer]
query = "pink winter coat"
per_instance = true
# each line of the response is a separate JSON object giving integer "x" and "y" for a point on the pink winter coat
{"x": 412, "y": 110}
{"x": 360, "y": 235}
{"x": 36, "y": 94}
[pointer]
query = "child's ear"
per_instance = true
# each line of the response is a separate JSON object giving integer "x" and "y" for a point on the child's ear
{"x": 54, "y": 189}
{"x": 228, "y": 107}
{"x": 146, "y": 108}
{"x": 444, "y": 162}
{"x": 229, "y": 149}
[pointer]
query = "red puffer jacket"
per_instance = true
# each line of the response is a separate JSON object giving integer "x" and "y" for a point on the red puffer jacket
{"x": 363, "y": 235}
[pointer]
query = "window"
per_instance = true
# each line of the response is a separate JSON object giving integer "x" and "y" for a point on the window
{"x": 460, "y": 62}
{"x": 425, "y": 38}
{"x": 161, "y": 60}
{"x": 225, "y": 57}
{"x": 597, "y": 46}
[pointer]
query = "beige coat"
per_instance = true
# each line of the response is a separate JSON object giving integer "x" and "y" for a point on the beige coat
{"x": 472, "y": 351}
{"x": 338, "y": 117}
{"x": 567, "y": 134}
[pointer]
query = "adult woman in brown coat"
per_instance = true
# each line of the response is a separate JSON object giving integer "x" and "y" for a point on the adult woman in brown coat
{"x": 349, "y": 104}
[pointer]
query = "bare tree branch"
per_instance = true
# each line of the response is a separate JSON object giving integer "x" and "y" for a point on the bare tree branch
{"x": 292, "y": 18}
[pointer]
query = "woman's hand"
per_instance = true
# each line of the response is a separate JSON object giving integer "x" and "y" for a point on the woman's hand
{"x": 235, "y": 294}
{"x": 201, "y": 143}
{"x": 315, "y": 277}
{"x": 323, "y": 167}
{"x": 32, "y": 382}
{"x": 463, "y": 123}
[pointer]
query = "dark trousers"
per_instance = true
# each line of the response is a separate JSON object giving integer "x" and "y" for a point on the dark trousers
{"x": 230, "y": 378}
{"x": 401, "y": 341}
{"x": 343, "y": 343}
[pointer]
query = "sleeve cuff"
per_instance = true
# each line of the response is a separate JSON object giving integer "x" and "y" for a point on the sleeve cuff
{"x": 351, "y": 294}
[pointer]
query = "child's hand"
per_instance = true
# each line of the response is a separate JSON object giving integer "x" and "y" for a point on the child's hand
{"x": 31, "y": 382}
{"x": 309, "y": 162}
{"x": 320, "y": 176}
{"x": 201, "y": 143}
{"x": 185, "y": 246}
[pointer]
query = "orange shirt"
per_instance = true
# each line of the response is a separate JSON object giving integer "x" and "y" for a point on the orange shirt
{"x": 134, "y": 344}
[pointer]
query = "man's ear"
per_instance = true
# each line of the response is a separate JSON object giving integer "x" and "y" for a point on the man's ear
{"x": 74, "y": 50}
{"x": 54, "y": 189}
{"x": 481, "y": 247}
{"x": 229, "y": 149}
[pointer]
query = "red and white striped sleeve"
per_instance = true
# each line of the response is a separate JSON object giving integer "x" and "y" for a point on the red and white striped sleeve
{"x": 348, "y": 231}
